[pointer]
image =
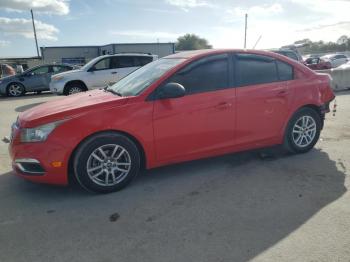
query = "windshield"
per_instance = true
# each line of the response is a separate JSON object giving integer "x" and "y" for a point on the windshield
{"x": 134, "y": 83}
{"x": 89, "y": 64}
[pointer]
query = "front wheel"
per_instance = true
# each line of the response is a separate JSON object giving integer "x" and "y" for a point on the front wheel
{"x": 106, "y": 162}
{"x": 15, "y": 89}
{"x": 303, "y": 131}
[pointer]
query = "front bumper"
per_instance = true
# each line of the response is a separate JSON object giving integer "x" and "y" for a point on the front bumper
{"x": 37, "y": 162}
{"x": 57, "y": 87}
{"x": 3, "y": 90}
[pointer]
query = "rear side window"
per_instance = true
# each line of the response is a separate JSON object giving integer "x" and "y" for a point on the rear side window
{"x": 255, "y": 69}
{"x": 285, "y": 71}
{"x": 292, "y": 55}
{"x": 258, "y": 69}
{"x": 41, "y": 70}
{"x": 206, "y": 74}
{"x": 142, "y": 60}
{"x": 123, "y": 61}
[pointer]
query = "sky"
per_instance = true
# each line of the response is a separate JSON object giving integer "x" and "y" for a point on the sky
{"x": 221, "y": 22}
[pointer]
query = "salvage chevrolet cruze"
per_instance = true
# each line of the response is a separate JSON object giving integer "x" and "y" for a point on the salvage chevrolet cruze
{"x": 182, "y": 107}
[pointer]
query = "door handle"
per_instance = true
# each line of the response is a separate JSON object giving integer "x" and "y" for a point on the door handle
{"x": 113, "y": 73}
{"x": 282, "y": 93}
{"x": 223, "y": 105}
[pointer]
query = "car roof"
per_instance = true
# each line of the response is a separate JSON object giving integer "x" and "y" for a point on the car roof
{"x": 128, "y": 54}
{"x": 204, "y": 52}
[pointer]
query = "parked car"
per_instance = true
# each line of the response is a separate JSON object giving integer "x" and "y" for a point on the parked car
{"x": 335, "y": 59}
{"x": 182, "y": 107}
{"x": 289, "y": 53}
{"x": 316, "y": 63}
{"x": 99, "y": 72}
{"x": 344, "y": 66}
{"x": 36, "y": 79}
{"x": 6, "y": 70}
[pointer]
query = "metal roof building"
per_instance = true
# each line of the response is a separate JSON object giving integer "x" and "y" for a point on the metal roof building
{"x": 82, "y": 54}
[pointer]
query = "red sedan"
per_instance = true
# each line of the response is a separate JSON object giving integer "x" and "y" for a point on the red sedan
{"x": 317, "y": 63}
{"x": 182, "y": 107}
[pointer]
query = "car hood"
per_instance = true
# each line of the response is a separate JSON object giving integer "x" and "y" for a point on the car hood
{"x": 70, "y": 107}
{"x": 70, "y": 72}
{"x": 8, "y": 78}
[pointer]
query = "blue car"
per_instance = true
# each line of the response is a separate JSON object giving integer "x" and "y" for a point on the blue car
{"x": 35, "y": 79}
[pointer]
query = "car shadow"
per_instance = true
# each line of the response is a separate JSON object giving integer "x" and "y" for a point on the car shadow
{"x": 28, "y": 96}
{"x": 232, "y": 207}
{"x": 342, "y": 92}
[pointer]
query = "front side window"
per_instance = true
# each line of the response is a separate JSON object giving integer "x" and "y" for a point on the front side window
{"x": 40, "y": 70}
{"x": 255, "y": 69}
{"x": 103, "y": 64}
{"x": 59, "y": 69}
{"x": 207, "y": 74}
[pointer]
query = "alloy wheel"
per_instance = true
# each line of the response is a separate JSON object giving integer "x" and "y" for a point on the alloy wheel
{"x": 304, "y": 131}
{"x": 74, "y": 90}
{"x": 108, "y": 165}
{"x": 15, "y": 90}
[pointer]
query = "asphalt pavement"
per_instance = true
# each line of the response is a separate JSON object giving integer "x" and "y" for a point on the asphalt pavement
{"x": 238, "y": 207}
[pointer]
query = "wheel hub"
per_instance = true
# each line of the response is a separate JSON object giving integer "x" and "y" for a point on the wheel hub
{"x": 108, "y": 165}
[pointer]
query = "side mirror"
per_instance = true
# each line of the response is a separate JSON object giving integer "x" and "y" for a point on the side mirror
{"x": 171, "y": 90}
{"x": 28, "y": 74}
{"x": 92, "y": 69}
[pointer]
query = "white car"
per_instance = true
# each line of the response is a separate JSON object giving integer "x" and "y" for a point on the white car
{"x": 98, "y": 73}
{"x": 345, "y": 66}
{"x": 335, "y": 59}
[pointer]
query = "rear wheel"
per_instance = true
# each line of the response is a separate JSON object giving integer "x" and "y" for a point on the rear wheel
{"x": 303, "y": 131}
{"x": 15, "y": 89}
{"x": 106, "y": 163}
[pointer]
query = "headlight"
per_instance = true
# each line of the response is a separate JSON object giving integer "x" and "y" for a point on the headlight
{"x": 57, "y": 78}
{"x": 38, "y": 134}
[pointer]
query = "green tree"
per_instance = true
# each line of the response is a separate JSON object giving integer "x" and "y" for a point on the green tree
{"x": 191, "y": 42}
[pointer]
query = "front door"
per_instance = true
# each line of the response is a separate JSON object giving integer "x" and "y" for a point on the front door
{"x": 38, "y": 79}
{"x": 123, "y": 65}
{"x": 101, "y": 74}
{"x": 204, "y": 119}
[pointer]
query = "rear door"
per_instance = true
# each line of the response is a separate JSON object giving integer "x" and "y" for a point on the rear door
{"x": 204, "y": 119}
{"x": 123, "y": 66}
{"x": 263, "y": 96}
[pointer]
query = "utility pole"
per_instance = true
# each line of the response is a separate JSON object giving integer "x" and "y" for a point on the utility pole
{"x": 245, "y": 31}
{"x": 36, "y": 40}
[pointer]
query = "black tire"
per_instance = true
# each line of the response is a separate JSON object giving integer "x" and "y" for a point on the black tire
{"x": 74, "y": 88}
{"x": 83, "y": 158}
{"x": 291, "y": 138}
{"x": 20, "y": 90}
